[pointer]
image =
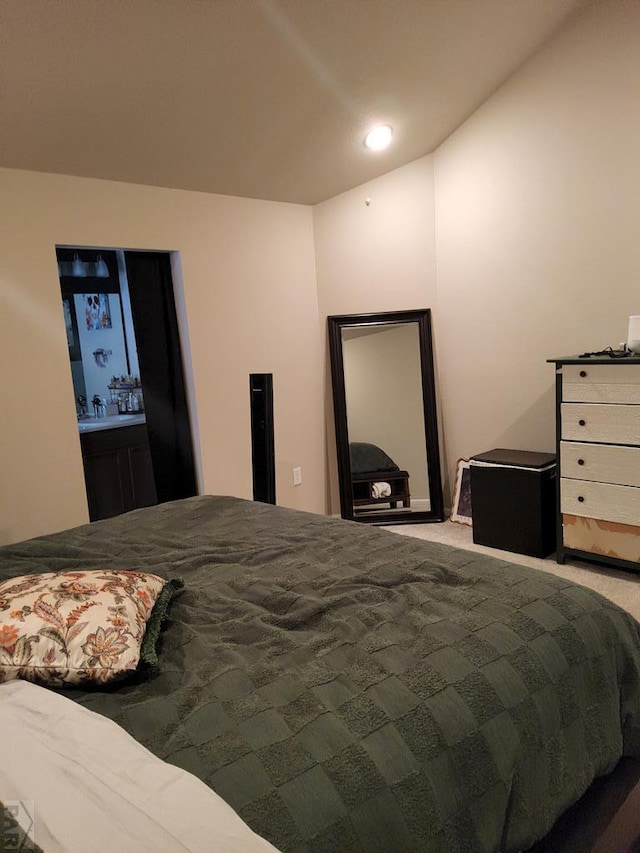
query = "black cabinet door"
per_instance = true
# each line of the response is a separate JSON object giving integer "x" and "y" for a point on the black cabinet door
{"x": 143, "y": 486}
{"x": 105, "y": 483}
{"x": 118, "y": 471}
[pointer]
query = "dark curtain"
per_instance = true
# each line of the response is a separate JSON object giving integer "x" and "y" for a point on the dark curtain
{"x": 161, "y": 373}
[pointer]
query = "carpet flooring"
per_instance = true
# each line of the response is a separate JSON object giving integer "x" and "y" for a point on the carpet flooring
{"x": 622, "y": 587}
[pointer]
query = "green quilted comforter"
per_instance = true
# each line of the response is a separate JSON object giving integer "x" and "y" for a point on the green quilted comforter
{"x": 348, "y": 689}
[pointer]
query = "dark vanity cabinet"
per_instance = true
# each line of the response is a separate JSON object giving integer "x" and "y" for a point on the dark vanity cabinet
{"x": 118, "y": 471}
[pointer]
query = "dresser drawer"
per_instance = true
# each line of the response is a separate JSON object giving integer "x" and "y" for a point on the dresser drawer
{"x": 600, "y": 500}
{"x": 605, "y": 463}
{"x": 621, "y": 541}
{"x": 613, "y": 424}
{"x": 601, "y": 383}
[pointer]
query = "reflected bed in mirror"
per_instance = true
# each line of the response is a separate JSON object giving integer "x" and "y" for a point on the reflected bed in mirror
{"x": 385, "y": 417}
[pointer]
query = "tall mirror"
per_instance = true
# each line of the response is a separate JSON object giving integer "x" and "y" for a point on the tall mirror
{"x": 385, "y": 417}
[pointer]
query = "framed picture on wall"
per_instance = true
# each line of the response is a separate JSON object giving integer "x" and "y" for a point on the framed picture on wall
{"x": 97, "y": 311}
{"x": 461, "y": 502}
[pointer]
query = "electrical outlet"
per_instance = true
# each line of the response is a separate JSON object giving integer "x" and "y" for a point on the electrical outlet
{"x": 297, "y": 476}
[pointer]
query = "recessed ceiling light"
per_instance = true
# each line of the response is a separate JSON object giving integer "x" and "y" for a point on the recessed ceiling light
{"x": 378, "y": 138}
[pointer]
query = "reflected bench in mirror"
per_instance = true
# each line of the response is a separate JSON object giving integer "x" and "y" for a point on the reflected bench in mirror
{"x": 376, "y": 479}
{"x": 385, "y": 417}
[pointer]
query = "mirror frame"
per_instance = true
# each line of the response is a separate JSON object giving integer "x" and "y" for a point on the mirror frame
{"x": 422, "y": 317}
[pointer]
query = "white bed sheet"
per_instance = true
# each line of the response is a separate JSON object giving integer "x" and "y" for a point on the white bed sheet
{"x": 93, "y": 787}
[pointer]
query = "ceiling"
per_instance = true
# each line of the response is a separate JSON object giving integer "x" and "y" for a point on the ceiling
{"x": 258, "y": 98}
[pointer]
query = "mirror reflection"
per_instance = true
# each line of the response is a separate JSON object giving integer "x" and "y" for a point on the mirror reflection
{"x": 383, "y": 392}
{"x": 386, "y": 430}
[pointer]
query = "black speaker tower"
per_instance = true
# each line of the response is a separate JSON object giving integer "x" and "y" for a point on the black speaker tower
{"x": 262, "y": 446}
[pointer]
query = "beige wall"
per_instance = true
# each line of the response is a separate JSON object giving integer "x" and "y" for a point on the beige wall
{"x": 538, "y": 212}
{"x": 378, "y": 256}
{"x": 374, "y": 257}
{"x": 250, "y": 304}
{"x": 538, "y": 204}
{"x": 535, "y": 237}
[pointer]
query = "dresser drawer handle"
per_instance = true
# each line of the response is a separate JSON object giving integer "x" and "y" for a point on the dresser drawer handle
{"x": 582, "y": 422}
{"x": 580, "y": 461}
{"x": 580, "y": 499}
{"x": 583, "y": 373}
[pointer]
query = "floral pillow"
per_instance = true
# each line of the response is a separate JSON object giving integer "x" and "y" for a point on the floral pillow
{"x": 78, "y": 627}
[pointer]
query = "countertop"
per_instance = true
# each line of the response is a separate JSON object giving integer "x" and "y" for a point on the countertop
{"x": 91, "y": 424}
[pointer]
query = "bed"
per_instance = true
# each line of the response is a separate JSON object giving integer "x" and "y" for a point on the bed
{"x": 345, "y": 688}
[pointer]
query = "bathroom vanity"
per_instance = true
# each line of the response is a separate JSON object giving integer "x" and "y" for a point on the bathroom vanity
{"x": 117, "y": 464}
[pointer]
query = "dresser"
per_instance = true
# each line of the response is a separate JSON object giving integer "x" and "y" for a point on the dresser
{"x": 598, "y": 447}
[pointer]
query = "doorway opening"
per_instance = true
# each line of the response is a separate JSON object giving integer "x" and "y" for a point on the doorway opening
{"x": 128, "y": 377}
